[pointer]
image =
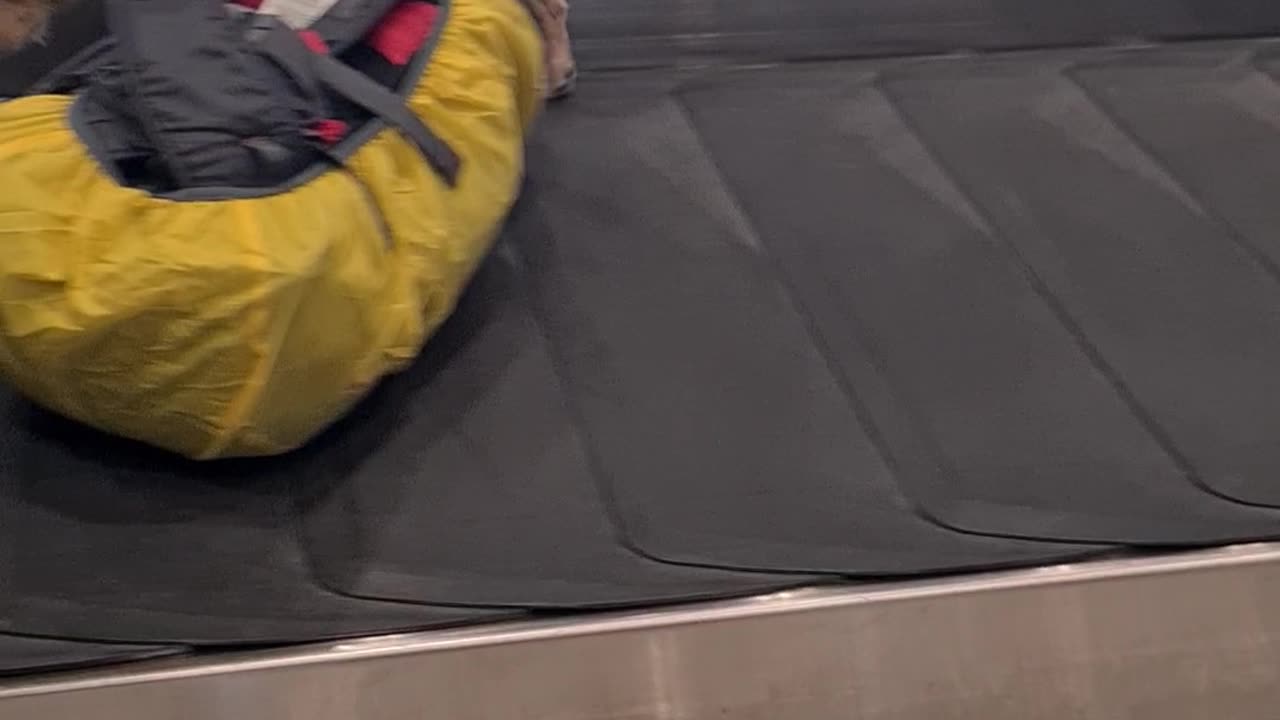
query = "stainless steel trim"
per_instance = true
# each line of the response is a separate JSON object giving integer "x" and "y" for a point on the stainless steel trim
{"x": 1187, "y": 636}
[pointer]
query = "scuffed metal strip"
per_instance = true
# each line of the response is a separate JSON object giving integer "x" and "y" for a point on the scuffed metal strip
{"x": 1180, "y": 637}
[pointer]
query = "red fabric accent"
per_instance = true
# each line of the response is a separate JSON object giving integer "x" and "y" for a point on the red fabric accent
{"x": 329, "y": 132}
{"x": 403, "y": 31}
{"x": 314, "y": 42}
{"x": 250, "y": 4}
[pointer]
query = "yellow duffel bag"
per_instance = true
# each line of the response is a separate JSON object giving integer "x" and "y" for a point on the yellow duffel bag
{"x": 221, "y": 260}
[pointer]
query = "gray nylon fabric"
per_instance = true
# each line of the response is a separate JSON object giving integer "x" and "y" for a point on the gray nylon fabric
{"x": 229, "y": 107}
{"x": 213, "y": 108}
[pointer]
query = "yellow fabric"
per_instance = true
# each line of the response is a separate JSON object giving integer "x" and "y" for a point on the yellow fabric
{"x": 245, "y": 327}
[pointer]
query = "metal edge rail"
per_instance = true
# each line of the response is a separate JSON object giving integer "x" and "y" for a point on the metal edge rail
{"x": 1176, "y": 637}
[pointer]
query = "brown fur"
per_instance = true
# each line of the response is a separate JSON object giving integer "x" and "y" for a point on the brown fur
{"x": 23, "y": 22}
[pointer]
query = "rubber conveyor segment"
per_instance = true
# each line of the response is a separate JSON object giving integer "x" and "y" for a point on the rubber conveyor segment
{"x": 104, "y": 540}
{"x": 474, "y": 484}
{"x": 1167, "y": 303}
{"x": 648, "y": 33}
{"x": 1028, "y": 435}
{"x": 1211, "y": 115}
{"x": 737, "y": 326}
{"x": 712, "y": 416}
{"x": 21, "y": 655}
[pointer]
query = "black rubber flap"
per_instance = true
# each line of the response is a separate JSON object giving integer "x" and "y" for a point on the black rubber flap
{"x": 711, "y": 414}
{"x": 104, "y": 540}
{"x": 1031, "y": 438}
{"x": 632, "y": 33}
{"x": 1211, "y": 117}
{"x": 22, "y": 655}
{"x": 645, "y": 33}
{"x": 1051, "y": 297}
{"x": 476, "y": 486}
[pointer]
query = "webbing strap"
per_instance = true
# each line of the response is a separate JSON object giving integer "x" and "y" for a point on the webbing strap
{"x": 282, "y": 47}
{"x": 359, "y": 89}
{"x": 292, "y": 56}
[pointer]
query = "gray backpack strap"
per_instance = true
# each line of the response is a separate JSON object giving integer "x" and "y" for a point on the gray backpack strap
{"x": 283, "y": 46}
{"x": 390, "y": 108}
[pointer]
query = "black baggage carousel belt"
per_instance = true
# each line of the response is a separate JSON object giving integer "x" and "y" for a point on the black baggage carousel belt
{"x": 885, "y": 245}
{"x": 715, "y": 420}
{"x": 649, "y": 33}
{"x": 612, "y": 34}
{"x": 748, "y": 329}
{"x": 20, "y": 655}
